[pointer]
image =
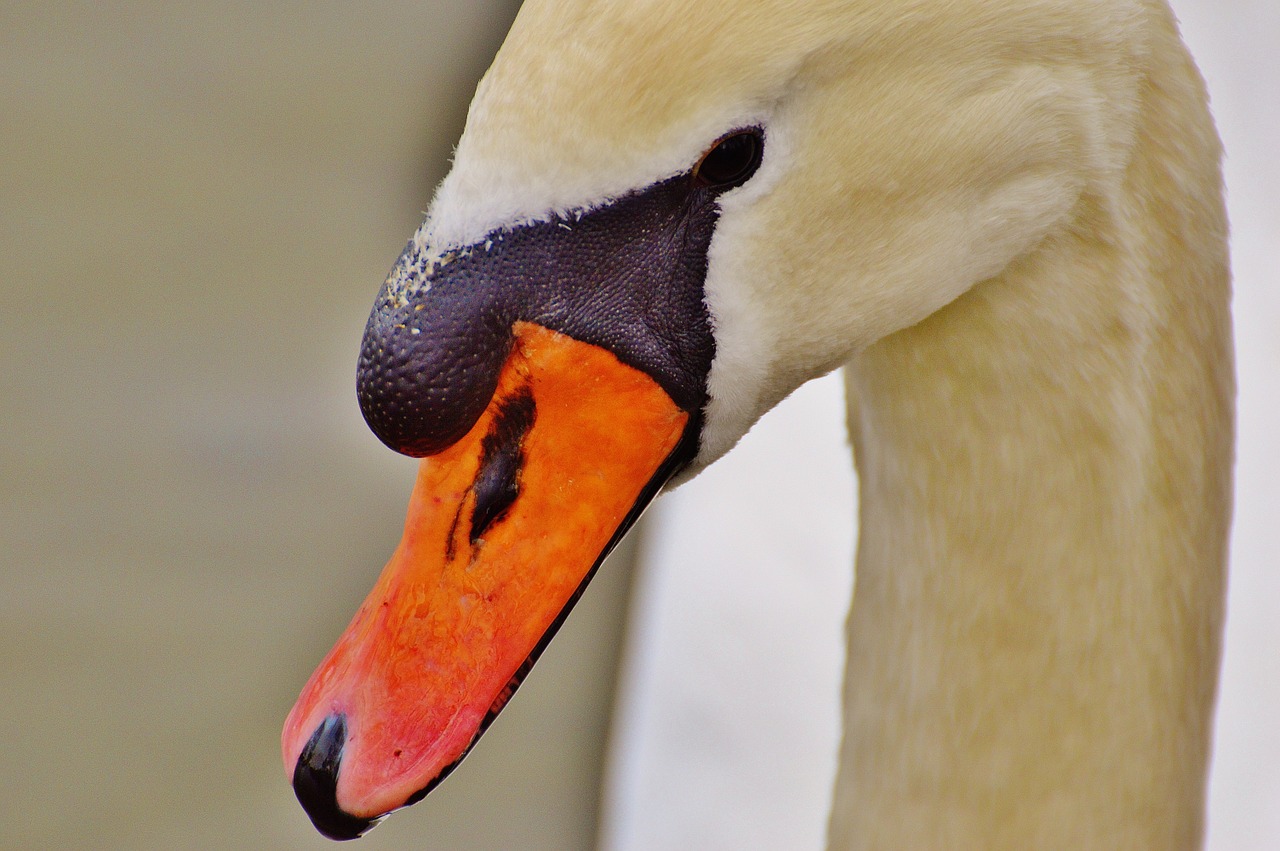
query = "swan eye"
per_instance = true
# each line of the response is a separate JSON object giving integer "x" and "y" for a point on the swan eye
{"x": 731, "y": 161}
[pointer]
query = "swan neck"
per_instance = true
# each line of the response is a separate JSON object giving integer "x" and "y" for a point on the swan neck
{"x": 1044, "y": 474}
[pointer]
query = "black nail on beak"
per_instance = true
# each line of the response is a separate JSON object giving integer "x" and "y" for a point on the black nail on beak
{"x": 315, "y": 782}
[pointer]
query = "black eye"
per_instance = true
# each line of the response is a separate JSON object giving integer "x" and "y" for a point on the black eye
{"x": 731, "y": 161}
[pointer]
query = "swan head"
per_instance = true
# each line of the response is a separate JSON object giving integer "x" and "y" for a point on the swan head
{"x": 661, "y": 219}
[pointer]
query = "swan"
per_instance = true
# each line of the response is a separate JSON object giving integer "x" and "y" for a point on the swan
{"x": 1003, "y": 218}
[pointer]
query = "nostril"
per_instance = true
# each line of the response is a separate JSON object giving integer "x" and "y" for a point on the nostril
{"x": 315, "y": 781}
{"x": 501, "y": 462}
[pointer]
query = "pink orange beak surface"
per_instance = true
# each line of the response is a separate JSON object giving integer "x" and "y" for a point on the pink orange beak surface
{"x": 504, "y": 530}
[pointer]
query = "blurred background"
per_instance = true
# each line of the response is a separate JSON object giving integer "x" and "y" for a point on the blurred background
{"x": 198, "y": 202}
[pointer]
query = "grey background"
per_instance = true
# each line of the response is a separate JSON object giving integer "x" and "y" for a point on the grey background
{"x": 197, "y": 204}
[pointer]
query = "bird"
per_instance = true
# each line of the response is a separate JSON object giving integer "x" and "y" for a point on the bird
{"x": 1003, "y": 218}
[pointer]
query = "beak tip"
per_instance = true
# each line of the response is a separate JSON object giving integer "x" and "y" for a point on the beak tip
{"x": 315, "y": 782}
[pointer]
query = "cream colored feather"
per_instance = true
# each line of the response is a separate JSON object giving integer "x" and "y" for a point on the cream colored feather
{"x": 1005, "y": 217}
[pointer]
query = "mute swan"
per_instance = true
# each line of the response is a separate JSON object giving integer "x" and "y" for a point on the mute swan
{"x": 1003, "y": 217}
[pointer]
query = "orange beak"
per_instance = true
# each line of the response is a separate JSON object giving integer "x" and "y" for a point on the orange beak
{"x": 504, "y": 530}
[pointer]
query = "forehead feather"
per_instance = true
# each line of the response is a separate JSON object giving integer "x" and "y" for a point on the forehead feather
{"x": 589, "y": 100}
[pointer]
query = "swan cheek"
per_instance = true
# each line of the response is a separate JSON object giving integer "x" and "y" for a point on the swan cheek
{"x": 504, "y": 530}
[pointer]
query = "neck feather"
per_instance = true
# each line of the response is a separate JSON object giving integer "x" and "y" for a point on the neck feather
{"x": 1044, "y": 469}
